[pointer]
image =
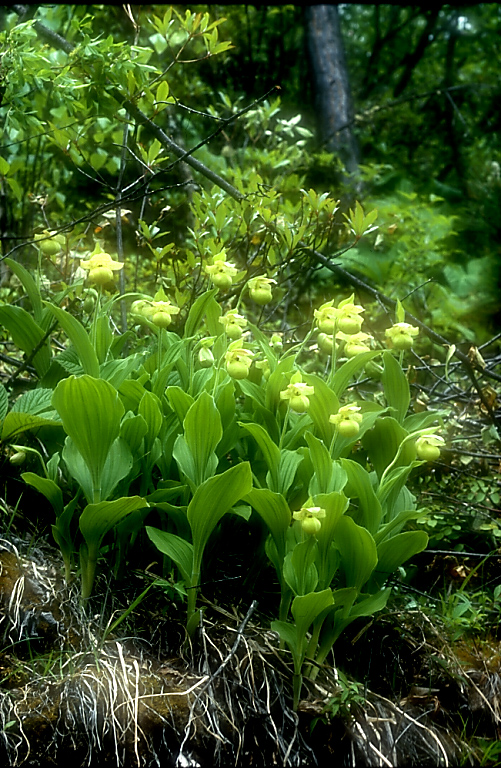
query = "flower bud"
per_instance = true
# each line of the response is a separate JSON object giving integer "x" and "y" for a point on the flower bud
{"x": 206, "y": 358}
{"x": 18, "y": 458}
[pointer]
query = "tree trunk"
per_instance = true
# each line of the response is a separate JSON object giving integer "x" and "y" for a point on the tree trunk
{"x": 332, "y": 88}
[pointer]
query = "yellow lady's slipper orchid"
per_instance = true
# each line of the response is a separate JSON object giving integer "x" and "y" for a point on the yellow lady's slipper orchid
{"x": 233, "y": 324}
{"x": 310, "y": 519}
{"x": 161, "y": 313}
{"x": 428, "y": 447}
{"x": 260, "y": 289}
{"x": 101, "y": 267}
{"x": 348, "y": 317}
{"x": 238, "y": 361}
{"x": 297, "y": 394}
{"x": 347, "y": 420}
{"x": 221, "y": 273}
{"x": 326, "y": 317}
{"x": 345, "y": 318}
{"x": 355, "y": 343}
{"x": 401, "y": 336}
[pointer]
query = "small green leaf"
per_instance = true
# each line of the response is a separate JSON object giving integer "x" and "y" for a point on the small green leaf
{"x": 359, "y": 486}
{"x": 396, "y": 386}
{"x": 173, "y": 546}
{"x": 197, "y": 312}
{"x": 270, "y": 451}
{"x": 275, "y": 512}
{"x": 16, "y": 423}
{"x": 4, "y": 402}
{"x": 358, "y": 552}
{"x": 27, "y": 335}
{"x": 79, "y": 338}
{"x": 49, "y": 488}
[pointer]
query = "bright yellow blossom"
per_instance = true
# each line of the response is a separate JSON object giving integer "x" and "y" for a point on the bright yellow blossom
{"x": 221, "y": 272}
{"x": 310, "y": 519}
{"x": 101, "y": 267}
{"x": 401, "y": 336}
{"x": 233, "y": 324}
{"x": 347, "y": 420}
{"x": 297, "y": 394}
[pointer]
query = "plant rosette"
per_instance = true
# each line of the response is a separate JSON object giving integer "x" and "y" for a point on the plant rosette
{"x": 428, "y": 447}
{"x": 401, "y": 336}
{"x": 310, "y": 519}
{"x": 238, "y": 361}
{"x": 297, "y": 393}
{"x": 234, "y": 324}
{"x": 260, "y": 289}
{"x": 221, "y": 272}
{"x": 347, "y": 420}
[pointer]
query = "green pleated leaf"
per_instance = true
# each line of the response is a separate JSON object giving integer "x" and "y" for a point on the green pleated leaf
{"x": 179, "y": 550}
{"x": 287, "y": 468}
{"x": 48, "y": 488}
{"x": 180, "y": 401}
{"x": 16, "y": 423}
{"x": 358, "y": 552}
{"x": 212, "y": 500}
{"x": 202, "y": 432}
{"x": 133, "y": 430}
{"x": 322, "y": 464}
{"x": 306, "y": 608}
{"x": 4, "y": 402}
{"x": 90, "y": 410}
{"x": 103, "y": 337}
{"x": 29, "y": 285}
{"x": 382, "y": 443}
{"x": 389, "y": 490}
{"x": 396, "y": 386}
{"x": 270, "y": 451}
{"x": 151, "y": 410}
{"x": 117, "y": 371}
{"x": 347, "y": 371}
{"x": 359, "y": 486}
{"x": 371, "y": 604}
{"x": 394, "y": 552}
{"x": 97, "y": 519}
{"x": 95, "y": 522}
{"x": 278, "y": 381}
{"x": 323, "y": 403}
{"x": 79, "y": 338}
{"x": 335, "y": 505}
{"x": 27, "y": 335}
{"x": 299, "y": 569}
{"x": 197, "y": 312}
{"x": 275, "y": 512}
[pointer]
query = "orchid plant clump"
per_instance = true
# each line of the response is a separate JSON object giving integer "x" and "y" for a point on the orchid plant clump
{"x": 215, "y": 417}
